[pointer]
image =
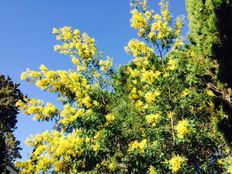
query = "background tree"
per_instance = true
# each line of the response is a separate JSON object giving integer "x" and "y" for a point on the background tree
{"x": 211, "y": 32}
{"x": 153, "y": 115}
{"x": 211, "y": 39}
{"x": 9, "y": 95}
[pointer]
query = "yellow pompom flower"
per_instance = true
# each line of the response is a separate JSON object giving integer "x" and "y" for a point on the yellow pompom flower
{"x": 185, "y": 92}
{"x": 166, "y": 14}
{"x": 151, "y": 170}
{"x": 138, "y": 48}
{"x": 96, "y": 147}
{"x": 138, "y": 21}
{"x": 105, "y": 65}
{"x": 87, "y": 140}
{"x": 23, "y": 76}
{"x": 149, "y": 14}
{"x": 172, "y": 65}
{"x": 43, "y": 68}
{"x": 151, "y": 96}
{"x": 75, "y": 61}
{"x": 42, "y": 84}
{"x": 229, "y": 170}
{"x": 110, "y": 118}
{"x": 50, "y": 74}
{"x": 97, "y": 136}
{"x": 86, "y": 101}
{"x": 140, "y": 146}
{"x": 182, "y": 128}
{"x": 139, "y": 105}
{"x": 176, "y": 162}
{"x": 112, "y": 166}
{"x": 55, "y": 30}
{"x": 153, "y": 119}
{"x": 178, "y": 26}
{"x": 220, "y": 161}
{"x": 210, "y": 93}
{"x": 76, "y": 32}
{"x": 178, "y": 43}
{"x": 32, "y": 110}
{"x": 148, "y": 76}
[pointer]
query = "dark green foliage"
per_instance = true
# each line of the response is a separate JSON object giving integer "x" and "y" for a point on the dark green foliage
{"x": 9, "y": 95}
{"x": 223, "y": 51}
{"x": 210, "y": 23}
{"x": 211, "y": 38}
{"x": 203, "y": 26}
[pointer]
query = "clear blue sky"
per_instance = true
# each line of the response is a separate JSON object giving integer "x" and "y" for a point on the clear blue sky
{"x": 26, "y": 40}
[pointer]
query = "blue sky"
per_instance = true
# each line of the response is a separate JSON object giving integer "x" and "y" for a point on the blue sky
{"x": 26, "y": 40}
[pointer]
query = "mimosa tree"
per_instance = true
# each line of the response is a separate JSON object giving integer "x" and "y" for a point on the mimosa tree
{"x": 153, "y": 115}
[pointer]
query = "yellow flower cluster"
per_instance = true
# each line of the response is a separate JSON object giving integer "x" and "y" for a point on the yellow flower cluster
{"x": 75, "y": 43}
{"x": 182, "y": 128}
{"x": 172, "y": 65}
{"x": 178, "y": 43}
{"x": 112, "y": 166}
{"x": 52, "y": 149}
{"x": 81, "y": 48}
{"x": 229, "y": 170}
{"x": 96, "y": 147}
{"x": 110, "y": 118}
{"x": 63, "y": 82}
{"x": 178, "y": 26}
{"x": 141, "y": 62}
{"x": 139, "y": 49}
{"x": 139, "y": 21}
{"x": 140, "y": 78}
{"x": 105, "y": 65}
{"x": 146, "y": 75}
{"x": 153, "y": 119}
{"x": 151, "y": 96}
{"x": 210, "y": 93}
{"x": 70, "y": 114}
{"x": 157, "y": 27}
{"x": 80, "y": 65}
{"x": 64, "y": 33}
{"x": 139, "y": 146}
{"x": 32, "y": 74}
{"x": 160, "y": 29}
{"x": 38, "y": 109}
{"x": 133, "y": 72}
{"x": 165, "y": 12}
{"x": 149, "y": 76}
{"x": 78, "y": 84}
{"x": 140, "y": 105}
{"x": 152, "y": 170}
{"x": 227, "y": 163}
{"x": 186, "y": 92}
{"x": 134, "y": 94}
{"x": 55, "y": 149}
{"x": 176, "y": 162}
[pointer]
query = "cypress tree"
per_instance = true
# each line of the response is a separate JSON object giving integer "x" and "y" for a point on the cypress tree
{"x": 210, "y": 23}
{"x": 9, "y": 146}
